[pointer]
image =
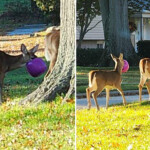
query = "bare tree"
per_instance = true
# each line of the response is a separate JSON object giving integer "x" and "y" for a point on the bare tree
{"x": 86, "y": 12}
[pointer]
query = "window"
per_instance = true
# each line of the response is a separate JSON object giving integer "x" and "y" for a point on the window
{"x": 99, "y": 45}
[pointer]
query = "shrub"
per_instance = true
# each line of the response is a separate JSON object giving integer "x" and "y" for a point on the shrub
{"x": 18, "y": 8}
{"x": 143, "y": 48}
{"x": 93, "y": 57}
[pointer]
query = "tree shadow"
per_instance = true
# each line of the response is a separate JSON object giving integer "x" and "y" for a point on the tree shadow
{"x": 131, "y": 104}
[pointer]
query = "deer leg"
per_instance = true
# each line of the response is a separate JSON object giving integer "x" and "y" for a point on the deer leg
{"x": 122, "y": 94}
{"x": 88, "y": 91}
{"x": 141, "y": 84}
{"x": 107, "y": 98}
{"x": 1, "y": 86}
{"x": 0, "y": 93}
{"x": 148, "y": 87}
{"x": 95, "y": 94}
{"x": 52, "y": 63}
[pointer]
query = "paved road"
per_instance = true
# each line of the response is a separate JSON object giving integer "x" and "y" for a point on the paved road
{"x": 82, "y": 103}
{"x": 27, "y": 29}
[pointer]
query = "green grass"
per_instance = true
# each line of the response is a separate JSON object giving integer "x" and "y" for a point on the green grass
{"x": 19, "y": 83}
{"x": 118, "y": 127}
{"x": 46, "y": 126}
{"x": 130, "y": 80}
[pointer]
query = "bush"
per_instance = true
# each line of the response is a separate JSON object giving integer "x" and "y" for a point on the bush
{"x": 93, "y": 57}
{"x": 143, "y": 48}
{"x": 16, "y": 9}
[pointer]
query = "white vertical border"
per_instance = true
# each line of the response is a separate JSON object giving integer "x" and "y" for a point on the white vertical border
{"x": 75, "y": 1}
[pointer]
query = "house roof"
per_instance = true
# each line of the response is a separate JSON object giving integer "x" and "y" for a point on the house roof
{"x": 143, "y": 14}
{"x": 94, "y": 34}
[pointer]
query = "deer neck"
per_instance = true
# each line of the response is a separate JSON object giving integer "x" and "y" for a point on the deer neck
{"x": 15, "y": 62}
{"x": 118, "y": 68}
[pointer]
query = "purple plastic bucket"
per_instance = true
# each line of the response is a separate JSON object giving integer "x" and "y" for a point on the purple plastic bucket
{"x": 125, "y": 67}
{"x": 36, "y": 67}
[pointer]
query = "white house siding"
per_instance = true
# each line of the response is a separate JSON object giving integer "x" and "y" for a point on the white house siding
{"x": 94, "y": 36}
{"x": 142, "y": 21}
{"x": 92, "y": 44}
{"x": 146, "y": 29}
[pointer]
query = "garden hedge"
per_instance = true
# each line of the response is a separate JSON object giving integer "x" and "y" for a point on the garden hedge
{"x": 93, "y": 57}
{"x": 143, "y": 48}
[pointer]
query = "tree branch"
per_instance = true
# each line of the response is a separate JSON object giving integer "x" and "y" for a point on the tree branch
{"x": 93, "y": 26}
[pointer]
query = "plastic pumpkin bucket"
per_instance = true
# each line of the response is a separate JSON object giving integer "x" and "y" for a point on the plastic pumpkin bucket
{"x": 36, "y": 67}
{"x": 125, "y": 67}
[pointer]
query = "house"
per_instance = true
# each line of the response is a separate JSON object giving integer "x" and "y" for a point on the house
{"x": 142, "y": 22}
{"x": 95, "y": 37}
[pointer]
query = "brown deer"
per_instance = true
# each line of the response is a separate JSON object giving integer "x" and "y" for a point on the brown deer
{"x": 51, "y": 47}
{"x": 144, "y": 67}
{"x": 9, "y": 63}
{"x": 105, "y": 79}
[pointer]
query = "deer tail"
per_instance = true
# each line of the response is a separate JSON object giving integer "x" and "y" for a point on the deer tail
{"x": 143, "y": 64}
{"x": 91, "y": 77}
{"x": 51, "y": 29}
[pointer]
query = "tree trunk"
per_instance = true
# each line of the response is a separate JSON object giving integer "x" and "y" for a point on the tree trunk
{"x": 62, "y": 78}
{"x": 116, "y": 27}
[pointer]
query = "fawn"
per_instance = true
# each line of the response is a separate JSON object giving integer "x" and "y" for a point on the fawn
{"x": 9, "y": 62}
{"x": 144, "y": 67}
{"x": 51, "y": 47}
{"x": 105, "y": 79}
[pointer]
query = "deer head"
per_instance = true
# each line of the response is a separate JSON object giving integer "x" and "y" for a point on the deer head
{"x": 119, "y": 63}
{"x": 28, "y": 55}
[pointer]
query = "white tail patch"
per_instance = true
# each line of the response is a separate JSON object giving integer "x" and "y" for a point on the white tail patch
{"x": 90, "y": 85}
{"x": 50, "y": 29}
{"x": 90, "y": 80}
{"x": 47, "y": 55}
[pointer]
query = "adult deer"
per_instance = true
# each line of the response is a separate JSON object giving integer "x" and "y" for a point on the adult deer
{"x": 51, "y": 47}
{"x": 144, "y": 67}
{"x": 9, "y": 63}
{"x": 105, "y": 79}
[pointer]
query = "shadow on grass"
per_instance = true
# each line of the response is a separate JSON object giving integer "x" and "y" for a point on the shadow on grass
{"x": 131, "y": 104}
{"x": 145, "y": 103}
{"x": 19, "y": 83}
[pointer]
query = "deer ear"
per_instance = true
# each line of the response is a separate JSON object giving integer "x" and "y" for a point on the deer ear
{"x": 121, "y": 56}
{"x": 24, "y": 49}
{"x": 113, "y": 57}
{"x": 34, "y": 49}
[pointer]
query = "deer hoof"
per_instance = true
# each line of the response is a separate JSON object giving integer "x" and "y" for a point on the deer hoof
{"x": 97, "y": 108}
{"x": 89, "y": 107}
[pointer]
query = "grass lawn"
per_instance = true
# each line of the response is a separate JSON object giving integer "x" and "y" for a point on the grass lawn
{"x": 130, "y": 80}
{"x": 46, "y": 126}
{"x": 118, "y": 128}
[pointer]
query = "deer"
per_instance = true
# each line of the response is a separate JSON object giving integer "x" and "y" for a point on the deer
{"x": 105, "y": 79}
{"x": 144, "y": 67}
{"x": 9, "y": 62}
{"x": 51, "y": 47}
